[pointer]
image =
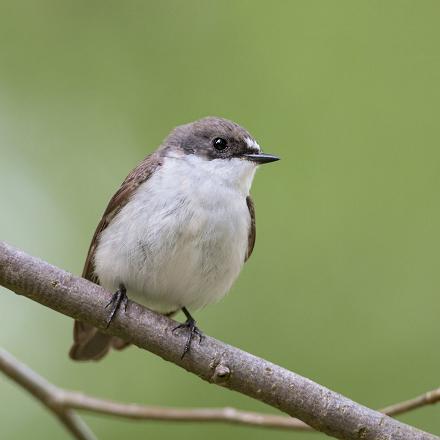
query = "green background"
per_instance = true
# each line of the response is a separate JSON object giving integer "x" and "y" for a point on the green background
{"x": 343, "y": 285}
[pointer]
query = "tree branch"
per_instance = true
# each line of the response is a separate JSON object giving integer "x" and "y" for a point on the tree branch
{"x": 59, "y": 400}
{"x": 144, "y": 412}
{"x": 428, "y": 398}
{"x": 67, "y": 400}
{"x": 213, "y": 360}
{"x": 47, "y": 393}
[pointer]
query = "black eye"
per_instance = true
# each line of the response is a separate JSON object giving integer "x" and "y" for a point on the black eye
{"x": 219, "y": 143}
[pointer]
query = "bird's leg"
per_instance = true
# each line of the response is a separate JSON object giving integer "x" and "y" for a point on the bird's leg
{"x": 118, "y": 298}
{"x": 190, "y": 324}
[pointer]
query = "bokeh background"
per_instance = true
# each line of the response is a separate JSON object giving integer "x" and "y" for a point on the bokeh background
{"x": 343, "y": 286}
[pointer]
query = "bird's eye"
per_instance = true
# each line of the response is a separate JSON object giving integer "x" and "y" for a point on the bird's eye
{"x": 219, "y": 143}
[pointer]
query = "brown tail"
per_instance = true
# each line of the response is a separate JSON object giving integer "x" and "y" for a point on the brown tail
{"x": 89, "y": 344}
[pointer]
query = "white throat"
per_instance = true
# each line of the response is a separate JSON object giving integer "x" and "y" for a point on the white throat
{"x": 219, "y": 174}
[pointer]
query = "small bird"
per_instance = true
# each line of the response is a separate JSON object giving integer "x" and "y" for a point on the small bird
{"x": 177, "y": 232}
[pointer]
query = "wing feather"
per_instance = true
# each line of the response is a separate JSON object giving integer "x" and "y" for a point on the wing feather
{"x": 88, "y": 342}
{"x": 252, "y": 229}
{"x": 137, "y": 176}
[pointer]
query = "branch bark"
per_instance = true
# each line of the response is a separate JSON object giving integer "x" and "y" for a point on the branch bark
{"x": 213, "y": 360}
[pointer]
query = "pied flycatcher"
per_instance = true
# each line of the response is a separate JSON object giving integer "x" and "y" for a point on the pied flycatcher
{"x": 179, "y": 229}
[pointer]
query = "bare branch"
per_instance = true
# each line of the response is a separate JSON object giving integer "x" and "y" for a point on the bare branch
{"x": 62, "y": 401}
{"x": 47, "y": 393}
{"x": 144, "y": 412}
{"x": 212, "y": 360}
{"x": 67, "y": 400}
{"x": 428, "y": 398}
{"x": 229, "y": 415}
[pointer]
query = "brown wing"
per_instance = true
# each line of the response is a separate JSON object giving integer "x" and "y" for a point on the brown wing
{"x": 252, "y": 229}
{"x": 89, "y": 343}
{"x": 137, "y": 176}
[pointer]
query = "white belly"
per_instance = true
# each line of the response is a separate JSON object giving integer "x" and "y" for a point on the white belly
{"x": 180, "y": 241}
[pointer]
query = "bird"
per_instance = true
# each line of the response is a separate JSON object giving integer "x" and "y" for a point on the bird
{"x": 176, "y": 234}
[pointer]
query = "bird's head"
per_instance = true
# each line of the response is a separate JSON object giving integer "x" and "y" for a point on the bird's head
{"x": 220, "y": 146}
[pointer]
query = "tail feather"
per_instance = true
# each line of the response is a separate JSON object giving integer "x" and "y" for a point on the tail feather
{"x": 90, "y": 344}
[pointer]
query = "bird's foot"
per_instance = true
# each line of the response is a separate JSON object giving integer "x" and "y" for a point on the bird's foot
{"x": 193, "y": 331}
{"x": 118, "y": 298}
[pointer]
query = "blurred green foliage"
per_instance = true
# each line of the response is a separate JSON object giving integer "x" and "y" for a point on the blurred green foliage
{"x": 343, "y": 286}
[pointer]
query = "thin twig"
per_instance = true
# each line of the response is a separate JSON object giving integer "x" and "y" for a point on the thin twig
{"x": 62, "y": 401}
{"x": 85, "y": 402}
{"x": 47, "y": 393}
{"x": 144, "y": 412}
{"x": 65, "y": 400}
{"x": 429, "y": 398}
{"x": 213, "y": 361}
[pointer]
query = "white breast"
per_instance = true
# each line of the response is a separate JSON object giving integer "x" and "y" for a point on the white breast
{"x": 182, "y": 238}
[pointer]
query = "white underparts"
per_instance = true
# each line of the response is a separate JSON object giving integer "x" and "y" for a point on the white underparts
{"x": 182, "y": 238}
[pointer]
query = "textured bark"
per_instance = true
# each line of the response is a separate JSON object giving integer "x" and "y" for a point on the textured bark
{"x": 212, "y": 360}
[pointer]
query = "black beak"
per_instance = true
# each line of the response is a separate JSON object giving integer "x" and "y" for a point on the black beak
{"x": 261, "y": 158}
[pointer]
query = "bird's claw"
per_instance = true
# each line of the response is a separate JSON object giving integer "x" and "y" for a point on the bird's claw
{"x": 119, "y": 298}
{"x": 190, "y": 324}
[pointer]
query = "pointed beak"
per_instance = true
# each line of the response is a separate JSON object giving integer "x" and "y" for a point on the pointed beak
{"x": 261, "y": 158}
